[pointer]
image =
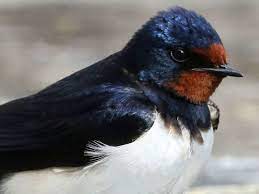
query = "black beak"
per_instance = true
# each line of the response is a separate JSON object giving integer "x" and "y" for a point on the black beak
{"x": 222, "y": 70}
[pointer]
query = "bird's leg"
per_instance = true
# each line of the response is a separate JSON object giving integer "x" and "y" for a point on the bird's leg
{"x": 214, "y": 114}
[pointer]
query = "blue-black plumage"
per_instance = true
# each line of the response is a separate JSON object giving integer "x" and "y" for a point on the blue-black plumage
{"x": 171, "y": 66}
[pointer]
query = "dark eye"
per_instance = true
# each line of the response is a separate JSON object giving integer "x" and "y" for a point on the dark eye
{"x": 180, "y": 55}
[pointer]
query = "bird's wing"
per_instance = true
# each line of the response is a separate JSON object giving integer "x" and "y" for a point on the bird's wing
{"x": 45, "y": 130}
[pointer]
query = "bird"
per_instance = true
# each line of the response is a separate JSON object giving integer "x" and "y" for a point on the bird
{"x": 140, "y": 121}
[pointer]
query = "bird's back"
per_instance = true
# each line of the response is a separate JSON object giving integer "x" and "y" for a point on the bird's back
{"x": 53, "y": 127}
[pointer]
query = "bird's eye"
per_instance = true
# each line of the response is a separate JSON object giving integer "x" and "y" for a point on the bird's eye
{"x": 180, "y": 55}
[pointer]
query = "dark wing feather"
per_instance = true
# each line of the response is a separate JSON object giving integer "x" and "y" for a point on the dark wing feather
{"x": 53, "y": 130}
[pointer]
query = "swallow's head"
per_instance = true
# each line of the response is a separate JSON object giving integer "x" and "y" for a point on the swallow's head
{"x": 180, "y": 52}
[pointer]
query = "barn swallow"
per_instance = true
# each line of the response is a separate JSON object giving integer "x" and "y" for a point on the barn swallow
{"x": 137, "y": 122}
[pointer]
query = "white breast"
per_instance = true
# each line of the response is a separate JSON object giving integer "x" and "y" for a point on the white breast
{"x": 159, "y": 162}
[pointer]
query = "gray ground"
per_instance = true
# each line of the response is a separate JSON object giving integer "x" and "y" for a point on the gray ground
{"x": 43, "y": 42}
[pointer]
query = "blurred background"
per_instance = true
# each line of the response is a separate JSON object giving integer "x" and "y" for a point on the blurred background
{"x": 44, "y": 41}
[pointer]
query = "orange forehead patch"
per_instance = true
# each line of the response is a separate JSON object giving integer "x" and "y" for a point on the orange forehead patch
{"x": 197, "y": 87}
{"x": 216, "y": 54}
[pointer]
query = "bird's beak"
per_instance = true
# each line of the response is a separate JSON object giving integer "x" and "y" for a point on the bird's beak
{"x": 223, "y": 70}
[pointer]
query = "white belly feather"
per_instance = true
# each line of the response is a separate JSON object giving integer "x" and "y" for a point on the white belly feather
{"x": 159, "y": 162}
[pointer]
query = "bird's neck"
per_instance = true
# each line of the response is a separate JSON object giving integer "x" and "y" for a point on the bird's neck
{"x": 195, "y": 116}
